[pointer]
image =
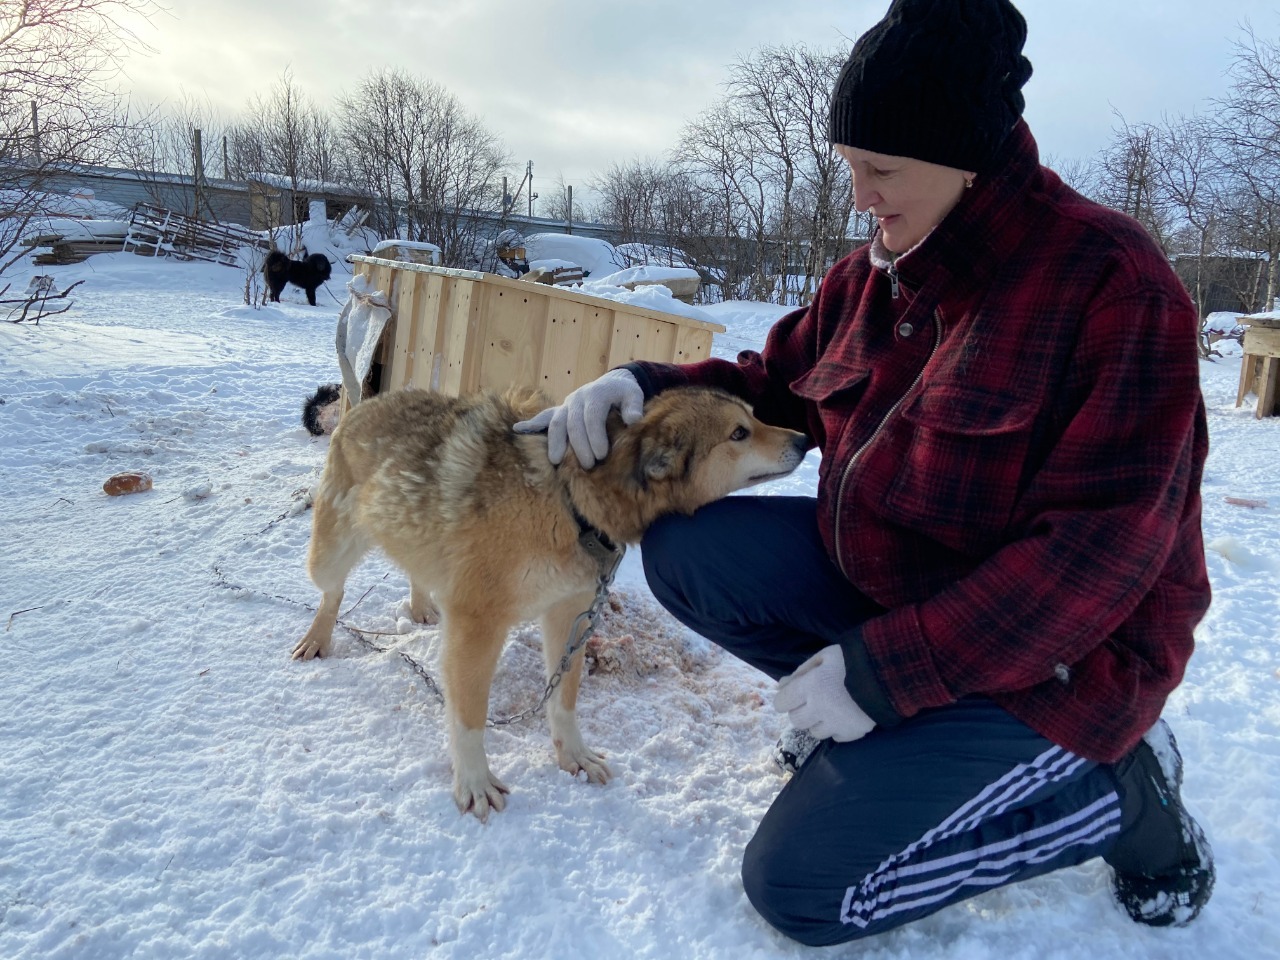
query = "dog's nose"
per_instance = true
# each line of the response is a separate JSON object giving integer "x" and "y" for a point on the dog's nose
{"x": 801, "y": 443}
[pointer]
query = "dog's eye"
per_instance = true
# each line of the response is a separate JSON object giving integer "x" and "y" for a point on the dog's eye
{"x": 741, "y": 433}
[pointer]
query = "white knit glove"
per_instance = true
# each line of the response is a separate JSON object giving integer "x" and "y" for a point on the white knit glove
{"x": 816, "y": 700}
{"x": 580, "y": 420}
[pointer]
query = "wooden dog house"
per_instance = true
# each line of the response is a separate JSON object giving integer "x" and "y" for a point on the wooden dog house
{"x": 1260, "y": 368}
{"x": 457, "y": 331}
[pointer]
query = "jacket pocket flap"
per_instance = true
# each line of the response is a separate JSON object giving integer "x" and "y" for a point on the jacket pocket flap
{"x": 971, "y": 410}
{"x": 829, "y": 378}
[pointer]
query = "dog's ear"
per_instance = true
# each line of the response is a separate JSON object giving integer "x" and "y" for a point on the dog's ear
{"x": 657, "y": 458}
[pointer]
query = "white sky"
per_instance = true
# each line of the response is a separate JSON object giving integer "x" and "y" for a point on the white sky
{"x": 576, "y": 85}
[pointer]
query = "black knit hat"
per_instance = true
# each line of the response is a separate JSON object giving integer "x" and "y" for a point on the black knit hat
{"x": 937, "y": 80}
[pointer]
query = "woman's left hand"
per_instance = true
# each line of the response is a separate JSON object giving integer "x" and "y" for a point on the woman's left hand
{"x": 816, "y": 700}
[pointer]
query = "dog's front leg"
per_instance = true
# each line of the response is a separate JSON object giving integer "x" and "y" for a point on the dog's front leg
{"x": 472, "y": 644}
{"x": 572, "y": 754}
{"x": 421, "y": 607}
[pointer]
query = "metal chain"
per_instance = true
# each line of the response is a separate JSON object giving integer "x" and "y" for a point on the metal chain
{"x": 575, "y": 642}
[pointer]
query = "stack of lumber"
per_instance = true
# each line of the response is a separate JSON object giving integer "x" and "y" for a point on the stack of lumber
{"x": 63, "y": 240}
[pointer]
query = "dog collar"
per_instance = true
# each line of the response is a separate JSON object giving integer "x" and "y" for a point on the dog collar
{"x": 599, "y": 547}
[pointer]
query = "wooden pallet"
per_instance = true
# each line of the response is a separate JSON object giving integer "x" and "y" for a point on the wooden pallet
{"x": 155, "y": 231}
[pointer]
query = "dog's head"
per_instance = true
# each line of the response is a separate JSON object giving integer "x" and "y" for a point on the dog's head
{"x": 321, "y": 268}
{"x": 692, "y": 446}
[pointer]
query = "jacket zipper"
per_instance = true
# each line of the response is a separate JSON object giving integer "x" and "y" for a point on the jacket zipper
{"x": 894, "y": 289}
{"x": 857, "y": 454}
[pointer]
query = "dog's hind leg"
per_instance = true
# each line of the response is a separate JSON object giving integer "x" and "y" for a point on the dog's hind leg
{"x": 572, "y": 754}
{"x": 473, "y": 640}
{"x": 336, "y": 547}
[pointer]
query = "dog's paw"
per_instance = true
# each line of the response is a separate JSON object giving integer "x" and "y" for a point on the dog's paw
{"x": 479, "y": 793}
{"x": 419, "y": 609}
{"x": 309, "y": 647}
{"x": 582, "y": 759}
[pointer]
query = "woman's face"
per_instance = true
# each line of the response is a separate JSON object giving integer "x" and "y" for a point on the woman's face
{"x": 907, "y": 197}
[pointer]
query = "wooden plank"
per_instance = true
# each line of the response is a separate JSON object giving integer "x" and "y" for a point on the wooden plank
{"x": 570, "y": 358}
{"x": 405, "y": 319}
{"x": 1262, "y": 342}
{"x": 594, "y": 343}
{"x": 511, "y": 335}
{"x": 459, "y": 365}
{"x": 430, "y": 319}
{"x": 475, "y": 345}
{"x": 692, "y": 345}
{"x": 626, "y": 336}
{"x": 637, "y": 337}
{"x": 1267, "y": 388}
{"x": 1248, "y": 371}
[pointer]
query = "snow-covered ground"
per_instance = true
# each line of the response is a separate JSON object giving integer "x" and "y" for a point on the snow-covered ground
{"x": 173, "y": 785}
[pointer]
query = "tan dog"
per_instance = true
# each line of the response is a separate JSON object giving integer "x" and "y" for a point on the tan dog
{"x": 485, "y": 527}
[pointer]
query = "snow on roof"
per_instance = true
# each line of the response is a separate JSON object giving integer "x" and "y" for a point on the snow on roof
{"x": 303, "y": 185}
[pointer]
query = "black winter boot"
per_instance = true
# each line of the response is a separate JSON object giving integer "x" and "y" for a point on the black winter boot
{"x": 793, "y": 749}
{"x": 1162, "y": 861}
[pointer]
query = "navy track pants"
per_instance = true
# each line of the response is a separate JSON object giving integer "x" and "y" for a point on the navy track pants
{"x": 871, "y": 834}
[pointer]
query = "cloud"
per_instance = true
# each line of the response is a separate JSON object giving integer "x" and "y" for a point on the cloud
{"x": 577, "y": 85}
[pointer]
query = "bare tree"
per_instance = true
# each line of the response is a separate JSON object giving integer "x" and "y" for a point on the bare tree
{"x": 716, "y": 150}
{"x": 56, "y": 113}
{"x": 181, "y": 137}
{"x": 825, "y": 197}
{"x": 1080, "y": 174}
{"x": 1128, "y": 178}
{"x": 628, "y": 196}
{"x": 555, "y": 202}
{"x": 430, "y": 163}
{"x": 763, "y": 158}
{"x": 1249, "y": 130}
{"x": 1188, "y": 171}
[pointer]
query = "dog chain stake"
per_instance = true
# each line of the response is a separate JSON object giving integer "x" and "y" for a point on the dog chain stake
{"x": 608, "y": 568}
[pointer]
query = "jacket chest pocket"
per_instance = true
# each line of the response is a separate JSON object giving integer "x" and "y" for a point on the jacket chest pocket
{"x": 835, "y": 389}
{"x": 959, "y": 453}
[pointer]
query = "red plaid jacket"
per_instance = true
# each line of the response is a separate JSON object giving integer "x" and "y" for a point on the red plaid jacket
{"x": 1011, "y": 458}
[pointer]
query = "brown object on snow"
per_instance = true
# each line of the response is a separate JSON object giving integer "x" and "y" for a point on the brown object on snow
{"x": 129, "y": 482}
{"x": 1244, "y": 502}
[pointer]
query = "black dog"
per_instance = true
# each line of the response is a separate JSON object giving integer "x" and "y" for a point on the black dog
{"x": 320, "y": 412}
{"x": 307, "y": 273}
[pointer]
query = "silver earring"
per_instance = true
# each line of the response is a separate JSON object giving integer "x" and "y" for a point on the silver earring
{"x": 968, "y": 183}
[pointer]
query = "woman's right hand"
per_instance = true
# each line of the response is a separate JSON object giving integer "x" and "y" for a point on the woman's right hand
{"x": 579, "y": 422}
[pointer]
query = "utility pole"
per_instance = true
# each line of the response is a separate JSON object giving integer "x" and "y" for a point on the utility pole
{"x": 532, "y": 196}
{"x": 197, "y": 159}
{"x": 35, "y": 131}
{"x": 568, "y": 223}
{"x": 226, "y": 167}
